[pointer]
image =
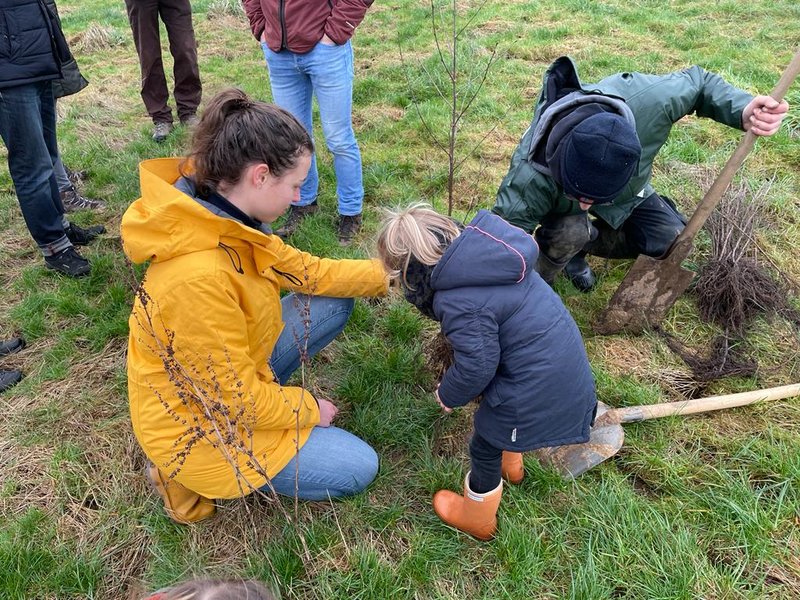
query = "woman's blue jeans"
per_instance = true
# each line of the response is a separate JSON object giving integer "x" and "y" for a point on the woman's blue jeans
{"x": 333, "y": 462}
{"x": 327, "y": 73}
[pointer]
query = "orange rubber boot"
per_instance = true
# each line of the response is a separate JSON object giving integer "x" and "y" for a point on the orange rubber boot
{"x": 181, "y": 504}
{"x": 513, "y": 470}
{"x": 475, "y": 514}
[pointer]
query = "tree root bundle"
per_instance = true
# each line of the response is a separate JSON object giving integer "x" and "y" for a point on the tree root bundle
{"x": 440, "y": 355}
{"x": 734, "y": 287}
{"x": 725, "y": 359}
{"x": 733, "y": 292}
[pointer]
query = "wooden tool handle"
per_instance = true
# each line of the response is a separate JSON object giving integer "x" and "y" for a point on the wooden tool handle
{"x": 633, "y": 414}
{"x": 717, "y": 189}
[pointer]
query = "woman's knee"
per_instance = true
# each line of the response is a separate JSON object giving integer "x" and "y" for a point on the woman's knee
{"x": 335, "y": 463}
{"x": 341, "y": 141}
{"x": 343, "y": 305}
{"x": 364, "y": 467}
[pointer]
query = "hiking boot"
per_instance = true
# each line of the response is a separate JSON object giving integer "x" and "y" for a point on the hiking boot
{"x": 68, "y": 262}
{"x": 190, "y": 121}
{"x": 580, "y": 273}
{"x": 349, "y": 226}
{"x": 296, "y": 215}
{"x": 9, "y": 379}
{"x": 11, "y": 346}
{"x": 75, "y": 177}
{"x": 161, "y": 130}
{"x": 82, "y": 237}
{"x": 72, "y": 201}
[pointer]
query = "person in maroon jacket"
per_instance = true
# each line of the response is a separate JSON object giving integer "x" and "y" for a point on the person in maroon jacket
{"x": 307, "y": 48}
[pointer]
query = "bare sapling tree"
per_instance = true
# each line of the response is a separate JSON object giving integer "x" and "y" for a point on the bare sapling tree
{"x": 465, "y": 74}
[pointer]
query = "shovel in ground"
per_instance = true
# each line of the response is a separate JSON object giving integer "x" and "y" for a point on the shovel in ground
{"x": 607, "y": 435}
{"x": 653, "y": 284}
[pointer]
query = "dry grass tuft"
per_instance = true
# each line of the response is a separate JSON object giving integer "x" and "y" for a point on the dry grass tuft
{"x": 622, "y": 356}
{"x": 219, "y": 9}
{"x": 97, "y": 37}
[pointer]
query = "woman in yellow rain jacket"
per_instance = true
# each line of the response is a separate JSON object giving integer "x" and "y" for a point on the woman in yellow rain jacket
{"x": 211, "y": 341}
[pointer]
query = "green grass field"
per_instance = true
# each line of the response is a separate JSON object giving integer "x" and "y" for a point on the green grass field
{"x": 696, "y": 507}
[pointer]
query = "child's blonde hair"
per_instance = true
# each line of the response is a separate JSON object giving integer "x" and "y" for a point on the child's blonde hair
{"x": 216, "y": 589}
{"x": 417, "y": 232}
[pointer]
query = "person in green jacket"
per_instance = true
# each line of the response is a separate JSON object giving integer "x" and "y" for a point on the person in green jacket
{"x": 582, "y": 170}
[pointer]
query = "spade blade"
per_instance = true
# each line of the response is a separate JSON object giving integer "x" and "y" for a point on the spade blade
{"x": 646, "y": 294}
{"x": 605, "y": 440}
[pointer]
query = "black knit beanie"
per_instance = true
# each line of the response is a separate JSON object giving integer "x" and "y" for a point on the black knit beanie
{"x": 598, "y": 157}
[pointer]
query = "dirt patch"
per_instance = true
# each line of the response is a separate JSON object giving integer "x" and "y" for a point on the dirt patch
{"x": 622, "y": 356}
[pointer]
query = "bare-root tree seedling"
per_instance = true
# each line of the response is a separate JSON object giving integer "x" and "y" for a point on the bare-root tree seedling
{"x": 734, "y": 287}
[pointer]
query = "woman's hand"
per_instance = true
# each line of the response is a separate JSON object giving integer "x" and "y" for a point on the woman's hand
{"x": 445, "y": 408}
{"x": 327, "y": 411}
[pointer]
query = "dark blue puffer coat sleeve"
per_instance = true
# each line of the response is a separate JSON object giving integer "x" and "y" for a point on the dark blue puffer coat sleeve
{"x": 473, "y": 333}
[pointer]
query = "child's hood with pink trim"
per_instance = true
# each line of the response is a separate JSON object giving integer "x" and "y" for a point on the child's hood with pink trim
{"x": 488, "y": 252}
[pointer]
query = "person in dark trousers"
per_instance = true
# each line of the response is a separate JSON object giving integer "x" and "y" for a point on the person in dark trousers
{"x": 10, "y": 378}
{"x": 582, "y": 170}
{"x": 308, "y": 53}
{"x": 177, "y": 16}
{"x": 28, "y": 128}
{"x": 514, "y": 344}
{"x": 70, "y": 83}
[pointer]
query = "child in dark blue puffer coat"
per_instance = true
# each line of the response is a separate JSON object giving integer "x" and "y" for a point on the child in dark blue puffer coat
{"x": 514, "y": 343}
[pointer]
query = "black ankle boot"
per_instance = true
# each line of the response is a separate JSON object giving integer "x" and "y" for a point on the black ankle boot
{"x": 11, "y": 346}
{"x": 9, "y": 378}
{"x": 80, "y": 236}
{"x": 580, "y": 273}
{"x": 68, "y": 262}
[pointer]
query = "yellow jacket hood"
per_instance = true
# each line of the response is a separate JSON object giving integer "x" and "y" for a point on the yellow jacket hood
{"x": 167, "y": 221}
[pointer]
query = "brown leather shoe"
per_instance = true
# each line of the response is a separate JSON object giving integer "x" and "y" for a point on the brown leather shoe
{"x": 181, "y": 504}
{"x": 296, "y": 215}
{"x": 349, "y": 226}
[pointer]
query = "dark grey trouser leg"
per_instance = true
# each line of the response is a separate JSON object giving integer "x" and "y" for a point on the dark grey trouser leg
{"x": 653, "y": 226}
{"x": 650, "y": 230}
{"x": 560, "y": 238}
{"x": 610, "y": 243}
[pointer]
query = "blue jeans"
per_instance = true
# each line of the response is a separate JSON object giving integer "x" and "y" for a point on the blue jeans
{"x": 28, "y": 128}
{"x": 332, "y": 462}
{"x": 327, "y": 73}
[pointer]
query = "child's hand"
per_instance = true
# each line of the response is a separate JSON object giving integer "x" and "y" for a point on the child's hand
{"x": 327, "y": 411}
{"x": 445, "y": 408}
